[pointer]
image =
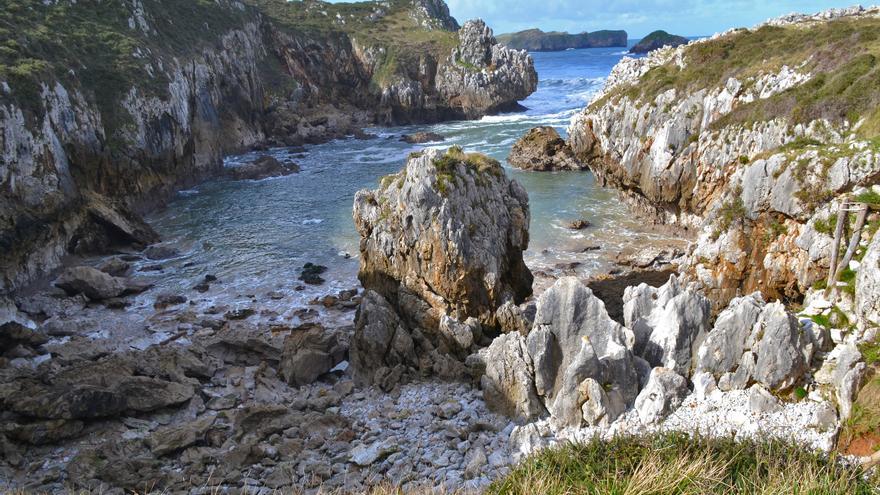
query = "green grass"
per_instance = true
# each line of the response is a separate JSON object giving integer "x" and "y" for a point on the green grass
{"x": 843, "y": 55}
{"x": 869, "y": 197}
{"x": 870, "y": 352}
{"x": 475, "y": 163}
{"x": 677, "y": 464}
{"x": 731, "y": 211}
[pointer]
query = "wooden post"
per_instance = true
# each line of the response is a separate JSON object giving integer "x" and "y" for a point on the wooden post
{"x": 853, "y": 245}
{"x": 835, "y": 246}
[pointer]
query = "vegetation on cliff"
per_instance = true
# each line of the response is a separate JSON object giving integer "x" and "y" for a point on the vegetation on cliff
{"x": 536, "y": 40}
{"x": 842, "y": 55}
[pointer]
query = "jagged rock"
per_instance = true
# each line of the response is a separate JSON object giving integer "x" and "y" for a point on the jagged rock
{"x": 311, "y": 274}
{"x": 16, "y": 328}
{"x": 868, "y": 285}
{"x": 663, "y": 394}
{"x": 366, "y": 455}
{"x": 309, "y": 354}
{"x": 464, "y": 204}
{"x": 482, "y": 76}
{"x": 704, "y": 384}
{"x": 44, "y": 432}
{"x": 724, "y": 346}
{"x": 116, "y": 267}
{"x": 93, "y": 283}
{"x": 669, "y": 323}
{"x": 783, "y": 350}
{"x": 262, "y": 167}
{"x": 422, "y": 137}
{"x": 843, "y": 371}
{"x": 542, "y": 149}
{"x": 176, "y": 437}
{"x": 460, "y": 333}
{"x": 380, "y": 341}
{"x": 762, "y": 401}
{"x": 574, "y": 339}
{"x": 756, "y": 342}
{"x": 508, "y": 380}
{"x": 512, "y": 318}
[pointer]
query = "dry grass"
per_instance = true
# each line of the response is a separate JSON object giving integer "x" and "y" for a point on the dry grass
{"x": 678, "y": 464}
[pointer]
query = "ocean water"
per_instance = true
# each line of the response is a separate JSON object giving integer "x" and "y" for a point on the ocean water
{"x": 257, "y": 235}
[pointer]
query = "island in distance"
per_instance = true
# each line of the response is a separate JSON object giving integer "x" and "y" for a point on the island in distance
{"x": 658, "y": 39}
{"x": 535, "y": 40}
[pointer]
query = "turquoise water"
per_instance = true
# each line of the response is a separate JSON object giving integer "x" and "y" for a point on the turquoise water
{"x": 256, "y": 235}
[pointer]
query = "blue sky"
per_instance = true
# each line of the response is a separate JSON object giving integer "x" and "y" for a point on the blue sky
{"x": 685, "y": 17}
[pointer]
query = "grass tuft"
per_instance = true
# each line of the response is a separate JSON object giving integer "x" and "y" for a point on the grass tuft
{"x": 675, "y": 463}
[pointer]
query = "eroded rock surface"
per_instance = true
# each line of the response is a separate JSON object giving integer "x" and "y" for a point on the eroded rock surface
{"x": 441, "y": 240}
{"x": 542, "y": 149}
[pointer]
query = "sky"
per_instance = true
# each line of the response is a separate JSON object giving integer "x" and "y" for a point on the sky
{"x": 638, "y": 18}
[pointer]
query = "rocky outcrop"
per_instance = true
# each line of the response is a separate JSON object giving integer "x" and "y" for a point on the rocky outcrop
{"x": 542, "y": 149}
{"x": 441, "y": 246}
{"x": 669, "y": 323}
{"x": 482, "y": 76}
{"x": 260, "y": 168}
{"x": 168, "y": 111}
{"x": 749, "y": 163}
{"x": 756, "y": 342}
{"x": 535, "y": 40}
{"x": 663, "y": 394}
{"x": 576, "y": 362}
{"x": 656, "y": 40}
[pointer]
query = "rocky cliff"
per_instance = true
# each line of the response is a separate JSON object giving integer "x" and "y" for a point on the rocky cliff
{"x": 535, "y": 40}
{"x": 441, "y": 261}
{"x": 753, "y": 152}
{"x": 123, "y": 104}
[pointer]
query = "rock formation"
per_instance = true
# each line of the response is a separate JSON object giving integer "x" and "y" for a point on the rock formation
{"x": 165, "y": 114}
{"x": 542, "y": 149}
{"x": 750, "y": 163}
{"x": 535, "y": 40}
{"x": 441, "y": 248}
{"x": 656, "y": 40}
{"x": 482, "y": 76}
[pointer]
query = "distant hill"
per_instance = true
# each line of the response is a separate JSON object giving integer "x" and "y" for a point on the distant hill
{"x": 658, "y": 39}
{"x": 536, "y": 40}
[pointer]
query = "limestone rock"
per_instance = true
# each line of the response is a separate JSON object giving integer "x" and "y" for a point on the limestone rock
{"x": 176, "y": 437}
{"x": 309, "y": 354}
{"x": 574, "y": 339}
{"x": 783, "y": 350}
{"x": 482, "y": 76}
{"x": 663, "y": 394}
{"x": 843, "y": 371}
{"x": 868, "y": 285}
{"x": 669, "y": 322}
{"x": 422, "y": 138}
{"x": 729, "y": 339}
{"x": 443, "y": 238}
{"x": 380, "y": 340}
{"x": 542, "y": 149}
{"x": 756, "y": 342}
{"x": 762, "y": 401}
{"x": 508, "y": 380}
{"x": 93, "y": 283}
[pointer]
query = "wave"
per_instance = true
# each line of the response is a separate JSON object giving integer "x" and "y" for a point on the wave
{"x": 313, "y": 221}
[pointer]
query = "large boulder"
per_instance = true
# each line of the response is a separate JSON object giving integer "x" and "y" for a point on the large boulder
{"x": 663, "y": 394}
{"x": 756, "y": 342}
{"x": 669, "y": 323}
{"x": 482, "y": 76}
{"x": 573, "y": 340}
{"x": 262, "y": 167}
{"x": 842, "y": 372}
{"x": 381, "y": 342}
{"x": 441, "y": 242}
{"x": 16, "y": 328}
{"x": 91, "y": 282}
{"x": 542, "y": 149}
{"x": 868, "y": 285}
{"x": 508, "y": 381}
{"x": 308, "y": 354}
